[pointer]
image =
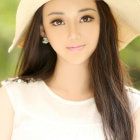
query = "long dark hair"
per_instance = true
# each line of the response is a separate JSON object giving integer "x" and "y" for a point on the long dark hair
{"x": 108, "y": 76}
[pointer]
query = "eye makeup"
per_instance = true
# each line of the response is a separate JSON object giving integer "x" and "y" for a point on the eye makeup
{"x": 58, "y": 20}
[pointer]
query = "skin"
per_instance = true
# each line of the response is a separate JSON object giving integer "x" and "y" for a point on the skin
{"x": 71, "y": 77}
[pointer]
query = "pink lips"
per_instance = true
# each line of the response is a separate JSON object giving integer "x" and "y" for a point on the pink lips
{"x": 75, "y": 48}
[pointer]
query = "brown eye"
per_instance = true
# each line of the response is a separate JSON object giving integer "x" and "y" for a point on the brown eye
{"x": 57, "y": 21}
{"x": 87, "y": 17}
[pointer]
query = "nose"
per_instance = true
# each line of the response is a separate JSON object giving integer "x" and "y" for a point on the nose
{"x": 73, "y": 31}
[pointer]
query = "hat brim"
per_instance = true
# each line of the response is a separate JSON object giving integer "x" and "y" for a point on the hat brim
{"x": 126, "y": 19}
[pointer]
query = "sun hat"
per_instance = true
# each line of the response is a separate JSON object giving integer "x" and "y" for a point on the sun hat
{"x": 126, "y": 13}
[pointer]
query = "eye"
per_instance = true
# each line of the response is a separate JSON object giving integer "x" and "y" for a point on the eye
{"x": 88, "y": 17}
{"x": 59, "y": 21}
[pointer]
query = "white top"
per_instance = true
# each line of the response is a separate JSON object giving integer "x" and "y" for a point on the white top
{"x": 40, "y": 114}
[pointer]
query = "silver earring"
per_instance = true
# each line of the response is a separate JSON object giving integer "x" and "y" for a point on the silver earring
{"x": 45, "y": 40}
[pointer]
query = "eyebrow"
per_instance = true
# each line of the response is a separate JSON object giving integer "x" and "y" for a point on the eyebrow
{"x": 61, "y": 13}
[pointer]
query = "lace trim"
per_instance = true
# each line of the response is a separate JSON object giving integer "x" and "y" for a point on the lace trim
{"x": 18, "y": 80}
{"x": 133, "y": 90}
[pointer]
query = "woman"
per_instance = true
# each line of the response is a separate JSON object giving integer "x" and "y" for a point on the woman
{"x": 71, "y": 83}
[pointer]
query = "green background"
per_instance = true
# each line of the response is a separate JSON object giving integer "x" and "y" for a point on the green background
{"x": 130, "y": 55}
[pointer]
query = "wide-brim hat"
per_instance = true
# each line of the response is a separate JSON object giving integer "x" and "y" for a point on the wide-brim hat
{"x": 126, "y": 13}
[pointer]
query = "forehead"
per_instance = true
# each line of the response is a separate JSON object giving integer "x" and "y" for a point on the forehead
{"x": 68, "y": 6}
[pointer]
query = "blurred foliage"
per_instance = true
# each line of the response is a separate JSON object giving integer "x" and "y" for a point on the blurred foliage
{"x": 130, "y": 55}
{"x": 7, "y": 28}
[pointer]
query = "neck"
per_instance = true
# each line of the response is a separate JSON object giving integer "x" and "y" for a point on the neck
{"x": 71, "y": 79}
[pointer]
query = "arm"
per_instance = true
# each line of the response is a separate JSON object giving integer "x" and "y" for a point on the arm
{"x": 6, "y": 115}
{"x": 136, "y": 119}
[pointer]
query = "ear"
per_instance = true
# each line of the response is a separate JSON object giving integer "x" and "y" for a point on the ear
{"x": 42, "y": 31}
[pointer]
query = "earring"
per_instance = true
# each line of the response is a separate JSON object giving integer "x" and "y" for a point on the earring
{"x": 45, "y": 40}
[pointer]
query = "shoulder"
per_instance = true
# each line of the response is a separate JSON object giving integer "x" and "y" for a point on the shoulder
{"x": 20, "y": 85}
{"x": 132, "y": 90}
{"x": 13, "y": 80}
{"x": 134, "y": 98}
{"x": 133, "y": 94}
{"x": 19, "y": 89}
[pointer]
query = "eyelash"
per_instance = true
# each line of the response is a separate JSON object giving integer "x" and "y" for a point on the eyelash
{"x": 56, "y": 20}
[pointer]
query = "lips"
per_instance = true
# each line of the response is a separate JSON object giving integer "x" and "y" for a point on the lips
{"x": 76, "y": 48}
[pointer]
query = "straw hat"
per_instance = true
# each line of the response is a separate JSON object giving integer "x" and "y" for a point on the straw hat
{"x": 126, "y": 13}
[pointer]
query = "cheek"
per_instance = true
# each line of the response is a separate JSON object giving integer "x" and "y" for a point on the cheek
{"x": 55, "y": 37}
{"x": 91, "y": 34}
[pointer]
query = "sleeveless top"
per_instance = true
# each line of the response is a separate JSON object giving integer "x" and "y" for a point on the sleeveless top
{"x": 40, "y": 114}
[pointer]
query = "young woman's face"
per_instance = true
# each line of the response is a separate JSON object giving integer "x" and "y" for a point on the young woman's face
{"x": 71, "y": 25}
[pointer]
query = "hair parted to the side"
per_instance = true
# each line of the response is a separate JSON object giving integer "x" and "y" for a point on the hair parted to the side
{"x": 108, "y": 76}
